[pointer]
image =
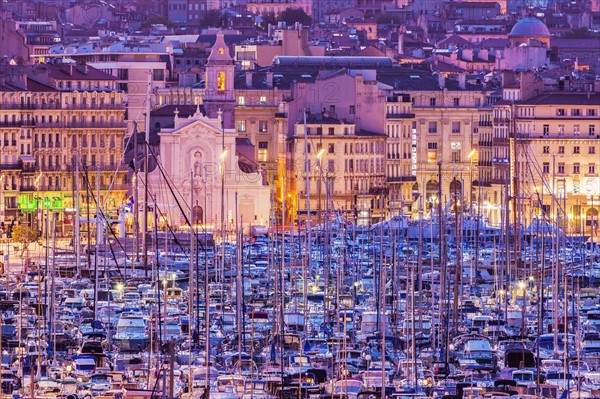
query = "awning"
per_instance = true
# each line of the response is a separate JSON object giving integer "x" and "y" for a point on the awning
{"x": 27, "y": 158}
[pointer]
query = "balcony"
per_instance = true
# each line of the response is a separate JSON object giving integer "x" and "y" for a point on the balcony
{"x": 484, "y": 143}
{"x": 18, "y": 106}
{"x": 10, "y": 166}
{"x": 400, "y": 179}
{"x": 404, "y": 115}
{"x": 27, "y": 188}
{"x": 51, "y": 168}
{"x": 485, "y": 123}
{"x": 102, "y": 168}
{"x": 499, "y": 141}
{"x": 88, "y": 125}
{"x": 93, "y": 107}
{"x": 10, "y": 124}
{"x": 499, "y": 121}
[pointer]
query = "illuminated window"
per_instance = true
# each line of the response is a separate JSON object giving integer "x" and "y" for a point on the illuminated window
{"x": 221, "y": 81}
{"x": 262, "y": 126}
{"x": 241, "y": 126}
{"x": 431, "y": 156}
{"x": 263, "y": 151}
{"x": 263, "y": 100}
{"x": 241, "y": 100}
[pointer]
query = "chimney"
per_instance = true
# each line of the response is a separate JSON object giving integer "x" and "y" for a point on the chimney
{"x": 484, "y": 54}
{"x": 249, "y": 79}
{"x": 270, "y": 79}
{"x": 400, "y": 43}
{"x": 83, "y": 68}
{"x": 462, "y": 80}
{"x": 442, "y": 80}
{"x": 467, "y": 54}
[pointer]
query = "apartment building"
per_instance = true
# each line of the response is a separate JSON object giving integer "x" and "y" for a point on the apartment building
{"x": 55, "y": 117}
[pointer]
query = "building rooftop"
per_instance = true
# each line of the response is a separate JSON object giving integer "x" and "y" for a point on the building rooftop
{"x": 333, "y": 62}
{"x": 562, "y": 98}
{"x": 529, "y": 26}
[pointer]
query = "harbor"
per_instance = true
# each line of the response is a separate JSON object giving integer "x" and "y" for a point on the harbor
{"x": 337, "y": 310}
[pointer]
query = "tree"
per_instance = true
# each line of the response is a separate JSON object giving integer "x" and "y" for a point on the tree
{"x": 24, "y": 235}
{"x": 292, "y": 15}
{"x": 213, "y": 18}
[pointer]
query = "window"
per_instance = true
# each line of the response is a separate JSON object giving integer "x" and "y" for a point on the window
{"x": 561, "y": 149}
{"x": 561, "y": 130}
{"x": 546, "y": 167}
{"x": 592, "y": 168}
{"x": 576, "y": 150}
{"x": 546, "y": 149}
{"x": 263, "y": 100}
{"x": 432, "y": 146}
{"x": 331, "y": 148}
{"x": 546, "y": 130}
{"x": 456, "y": 101}
{"x": 592, "y": 130}
{"x": 352, "y": 109}
{"x": 561, "y": 168}
{"x": 591, "y": 112}
{"x": 331, "y": 165}
{"x": 263, "y": 151}
{"x": 575, "y": 112}
{"x": 592, "y": 149}
{"x": 241, "y": 126}
{"x": 561, "y": 112}
{"x": 320, "y": 131}
{"x": 123, "y": 74}
{"x": 432, "y": 102}
{"x": 576, "y": 168}
{"x": 241, "y": 100}
{"x": 455, "y": 127}
{"x": 262, "y": 126}
{"x": 576, "y": 130}
{"x": 432, "y": 127}
{"x": 331, "y": 131}
{"x": 456, "y": 156}
{"x": 431, "y": 156}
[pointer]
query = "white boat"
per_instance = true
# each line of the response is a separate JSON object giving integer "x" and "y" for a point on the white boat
{"x": 132, "y": 333}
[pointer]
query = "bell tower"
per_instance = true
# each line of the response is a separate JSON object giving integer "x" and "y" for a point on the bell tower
{"x": 219, "y": 78}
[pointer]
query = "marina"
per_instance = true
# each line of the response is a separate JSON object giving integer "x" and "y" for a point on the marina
{"x": 339, "y": 310}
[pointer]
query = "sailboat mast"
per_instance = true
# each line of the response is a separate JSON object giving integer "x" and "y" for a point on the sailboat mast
{"x": 146, "y": 144}
{"x": 307, "y": 253}
{"x": 193, "y": 298}
{"x": 98, "y": 240}
{"x": 77, "y": 221}
{"x": 136, "y": 198}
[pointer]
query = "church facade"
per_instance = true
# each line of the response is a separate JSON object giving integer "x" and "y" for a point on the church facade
{"x": 198, "y": 159}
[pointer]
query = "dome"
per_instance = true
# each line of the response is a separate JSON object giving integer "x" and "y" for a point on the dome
{"x": 529, "y": 26}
